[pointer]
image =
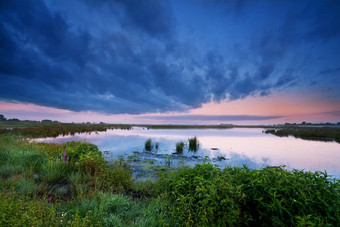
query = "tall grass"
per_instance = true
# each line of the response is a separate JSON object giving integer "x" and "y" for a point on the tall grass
{"x": 193, "y": 144}
{"x": 309, "y": 133}
{"x": 148, "y": 145}
{"x": 179, "y": 147}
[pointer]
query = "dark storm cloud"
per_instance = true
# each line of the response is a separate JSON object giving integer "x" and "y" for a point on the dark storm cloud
{"x": 135, "y": 60}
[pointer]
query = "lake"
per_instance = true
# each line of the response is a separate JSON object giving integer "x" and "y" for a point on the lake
{"x": 238, "y": 146}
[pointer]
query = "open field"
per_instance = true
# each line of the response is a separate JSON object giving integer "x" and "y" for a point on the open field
{"x": 47, "y": 184}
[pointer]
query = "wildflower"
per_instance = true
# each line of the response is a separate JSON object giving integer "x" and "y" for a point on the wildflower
{"x": 64, "y": 162}
{"x": 67, "y": 157}
{"x": 61, "y": 158}
{"x": 64, "y": 153}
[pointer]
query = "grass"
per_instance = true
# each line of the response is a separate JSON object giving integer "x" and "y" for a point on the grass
{"x": 38, "y": 189}
{"x": 205, "y": 195}
{"x": 148, "y": 145}
{"x": 193, "y": 144}
{"x": 37, "y": 129}
{"x": 179, "y": 147}
{"x": 309, "y": 133}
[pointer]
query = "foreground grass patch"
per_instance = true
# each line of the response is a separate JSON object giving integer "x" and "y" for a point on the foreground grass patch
{"x": 38, "y": 189}
{"x": 205, "y": 195}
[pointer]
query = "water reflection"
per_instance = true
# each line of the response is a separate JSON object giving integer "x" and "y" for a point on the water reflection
{"x": 239, "y": 146}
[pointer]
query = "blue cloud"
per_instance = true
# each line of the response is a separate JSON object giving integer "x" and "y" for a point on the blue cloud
{"x": 133, "y": 56}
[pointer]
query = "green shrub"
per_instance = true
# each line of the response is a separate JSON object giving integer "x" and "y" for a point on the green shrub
{"x": 179, "y": 147}
{"x": 116, "y": 178}
{"x": 193, "y": 144}
{"x": 55, "y": 171}
{"x": 206, "y": 195}
{"x": 91, "y": 163}
{"x": 275, "y": 196}
{"x": 201, "y": 196}
{"x": 76, "y": 149}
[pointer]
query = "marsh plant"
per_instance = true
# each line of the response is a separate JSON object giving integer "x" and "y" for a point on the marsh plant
{"x": 179, "y": 147}
{"x": 208, "y": 196}
{"x": 64, "y": 159}
{"x": 148, "y": 145}
{"x": 221, "y": 157}
{"x": 193, "y": 144}
{"x": 167, "y": 159}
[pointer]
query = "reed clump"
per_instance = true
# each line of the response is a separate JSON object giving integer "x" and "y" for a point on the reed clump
{"x": 180, "y": 147}
{"x": 193, "y": 144}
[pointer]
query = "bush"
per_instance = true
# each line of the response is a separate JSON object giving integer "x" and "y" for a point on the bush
{"x": 206, "y": 195}
{"x": 116, "y": 178}
{"x": 201, "y": 196}
{"x": 275, "y": 196}
{"x": 91, "y": 163}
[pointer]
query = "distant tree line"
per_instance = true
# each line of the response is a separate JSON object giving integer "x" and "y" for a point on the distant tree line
{"x": 2, "y": 118}
{"x": 309, "y": 123}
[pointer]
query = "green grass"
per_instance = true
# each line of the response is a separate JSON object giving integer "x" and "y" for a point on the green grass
{"x": 38, "y": 189}
{"x": 309, "y": 133}
{"x": 179, "y": 147}
{"x": 148, "y": 145}
{"x": 193, "y": 144}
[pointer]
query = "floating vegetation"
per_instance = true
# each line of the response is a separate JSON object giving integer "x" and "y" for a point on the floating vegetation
{"x": 220, "y": 158}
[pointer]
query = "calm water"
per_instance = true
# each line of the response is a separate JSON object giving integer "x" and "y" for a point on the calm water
{"x": 239, "y": 146}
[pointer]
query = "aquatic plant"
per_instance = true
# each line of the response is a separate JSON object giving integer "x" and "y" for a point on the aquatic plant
{"x": 220, "y": 158}
{"x": 193, "y": 144}
{"x": 167, "y": 159}
{"x": 179, "y": 147}
{"x": 148, "y": 145}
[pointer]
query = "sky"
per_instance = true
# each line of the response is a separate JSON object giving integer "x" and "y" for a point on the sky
{"x": 170, "y": 62}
